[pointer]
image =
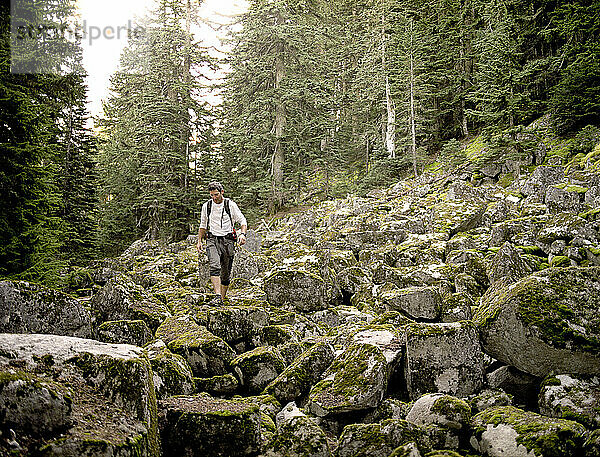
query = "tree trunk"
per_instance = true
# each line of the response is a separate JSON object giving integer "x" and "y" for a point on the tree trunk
{"x": 413, "y": 129}
{"x": 279, "y": 127}
{"x": 390, "y": 132}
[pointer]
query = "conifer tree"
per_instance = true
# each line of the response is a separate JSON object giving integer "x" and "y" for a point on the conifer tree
{"x": 147, "y": 185}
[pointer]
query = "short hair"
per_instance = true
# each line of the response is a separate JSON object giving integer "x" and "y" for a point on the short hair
{"x": 215, "y": 185}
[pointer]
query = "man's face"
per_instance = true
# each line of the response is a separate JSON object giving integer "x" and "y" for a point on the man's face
{"x": 216, "y": 196}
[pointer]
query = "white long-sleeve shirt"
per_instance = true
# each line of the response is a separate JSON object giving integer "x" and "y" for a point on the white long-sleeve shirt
{"x": 220, "y": 225}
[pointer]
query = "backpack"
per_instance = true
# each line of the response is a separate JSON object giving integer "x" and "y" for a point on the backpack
{"x": 227, "y": 210}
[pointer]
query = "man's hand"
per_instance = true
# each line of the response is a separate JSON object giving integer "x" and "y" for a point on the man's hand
{"x": 200, "y": 246}
{"x": 242, "y": 239}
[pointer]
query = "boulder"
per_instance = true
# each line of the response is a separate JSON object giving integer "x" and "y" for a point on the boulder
{"x": 377, "y": 439}
{"x": 258, "y": 367}
{"x": 444, "y": 357}
{"x": 489, "y": 398}
{"x": 136, "y": 332}
{"x": 565, "y": 198}
{"x": 359, "y": 241}
{"x": 456, "y": 307}
{"x": 508, "y": 266}
{"x": 521, "y": 386}
{"x": 247, "y": 264}
{"x": 297, "y": 289}
{"x": 33, "y": 308}
{"x": 171, "y": 373}
{"x": 545, "y": 322}
{"x": 591, "y": 448}
{"x": 203, "y": 426}
{"x": 541, "y": 178}
{"x": 509, "y": 431}
{"x": 302, "y": 374}
{"x": 207, "y": 354}
{"x": 567, "y": 227}
{"x": 416, "y": 302}
{"x": 455, "y": 216}
{"x": 389, "y": 341}
{"x": 31, "y": 404}
{"x": 101, "y": 400}
{"x": 297, "y": 435}
{"x": 341, "y": 316}
{"x": 217, "y": 385}
{"x": 237, "y": 323}
{"x": 357, "y": 380}
{"x": 569, "y": 397}
{"x": 351, "y": 279}
{"x": 122, "y": 299}
{"x": 450, "y": 414}
{"x": 277, "y": 335}
{"x": 412, "y": 450}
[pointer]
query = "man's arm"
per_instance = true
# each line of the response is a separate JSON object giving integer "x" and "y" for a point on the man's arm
{"x": 239, "y": 217}
{"x": 201, "y": 230}
{"x": 201, "y": 235}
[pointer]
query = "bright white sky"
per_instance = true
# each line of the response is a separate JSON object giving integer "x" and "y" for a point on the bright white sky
{"x": 101, "y": 55}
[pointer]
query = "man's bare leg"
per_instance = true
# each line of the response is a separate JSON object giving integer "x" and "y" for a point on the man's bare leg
{"x": 223, "y": 291}
{"x": 216, "y": 283}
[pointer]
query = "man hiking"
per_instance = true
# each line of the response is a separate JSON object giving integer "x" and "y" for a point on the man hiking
{"x": 217, "y": 221}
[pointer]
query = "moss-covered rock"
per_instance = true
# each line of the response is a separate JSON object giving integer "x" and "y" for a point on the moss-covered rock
{"x": 203, "y": 426}
{"x": 225, "y": 384}
{"x": 591, "y": 448}
{"x": 568, "y": 397}
{"x": 522, "y": 387}
{"x": 565, "y": 198}
{"x": 302, "y": 374}
{"x": 297, "y": 435}
{"x": 33, "y": 308}
{"x": 258, "y": 367}
{"x": 298, "y": 289}
{"x": 566, "y": 226}
{"x": 125, "y": 332}
{"x": 506, "y": 430}
{"x": 546, "y": 322}
{"x": 351, "y": 279}
{"x": 122, "y": 299}
{"x": 207, "y": 354}
{"x": 416, "y": 302}
{"x": 489, "y": 398}
{"x": 171, "y": 373}
{"x": 450, "y": 414}
{"x": 237, "y": 323}
{"x": 508, "y": 265}
{"x": 456, "y": 307}
{"x": 443, "y": 358}
{"x": 277, "y": 335}
{"x": 112, "y": 400}
{"x": 355, "y": 381}
{"x": 378, "y": 439}
{"x": 33, "y": 405}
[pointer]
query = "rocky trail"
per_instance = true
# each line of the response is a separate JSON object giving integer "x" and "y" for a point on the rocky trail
{"x": 452, "y": 315}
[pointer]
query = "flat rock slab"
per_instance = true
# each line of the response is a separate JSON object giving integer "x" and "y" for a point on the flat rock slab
{"x": 546, "y": 322}
{"x": 84, "y": 397}
{"x": 203, "y": 426}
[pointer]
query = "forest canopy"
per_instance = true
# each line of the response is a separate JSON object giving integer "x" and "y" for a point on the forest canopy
{"x": 320, "y": 99}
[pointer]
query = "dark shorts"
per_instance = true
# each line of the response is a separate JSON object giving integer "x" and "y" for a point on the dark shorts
{"x": 220, "y": 252}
